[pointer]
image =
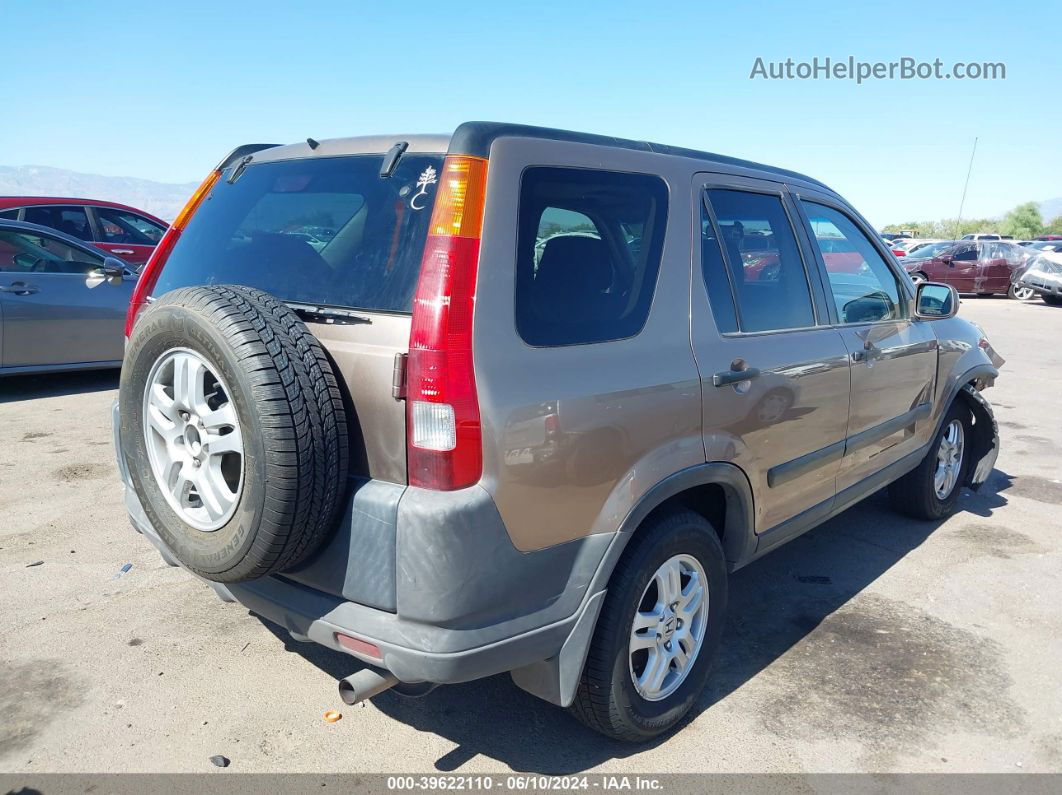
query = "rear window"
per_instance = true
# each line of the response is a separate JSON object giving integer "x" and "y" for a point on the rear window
{"x": 588, "y": 254}
{"x": 326, "y": 231}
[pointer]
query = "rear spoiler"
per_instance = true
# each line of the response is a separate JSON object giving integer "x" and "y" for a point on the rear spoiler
{"x": 241, "y": 152}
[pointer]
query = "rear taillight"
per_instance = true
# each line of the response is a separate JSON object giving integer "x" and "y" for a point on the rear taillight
{"x": 150, "y": 274}
{"x": 551, "y": 425}
{"x": 444, "y": 442}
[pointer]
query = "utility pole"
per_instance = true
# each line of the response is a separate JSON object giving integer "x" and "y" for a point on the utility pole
{"x": 958, "y": 221}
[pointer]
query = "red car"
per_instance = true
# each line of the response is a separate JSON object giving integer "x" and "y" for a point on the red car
{"x": 972, "y": 266}
{"x": 117, "y": 229}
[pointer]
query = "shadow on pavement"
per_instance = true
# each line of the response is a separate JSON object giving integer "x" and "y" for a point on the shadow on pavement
{"x": 774, "y": 603}
{"x": 16, "y": 388}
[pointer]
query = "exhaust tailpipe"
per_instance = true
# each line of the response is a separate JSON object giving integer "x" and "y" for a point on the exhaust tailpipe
{"x": 364, "y": 684}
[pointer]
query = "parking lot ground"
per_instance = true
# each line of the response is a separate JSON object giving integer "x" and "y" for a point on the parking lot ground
{"x": 873, "y": 643}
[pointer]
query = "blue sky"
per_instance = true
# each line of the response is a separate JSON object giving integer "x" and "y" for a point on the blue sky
{"x": 161, "y": 91}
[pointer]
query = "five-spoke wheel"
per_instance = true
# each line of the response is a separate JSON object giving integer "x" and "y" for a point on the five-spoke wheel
{"x": 193, "y": 439}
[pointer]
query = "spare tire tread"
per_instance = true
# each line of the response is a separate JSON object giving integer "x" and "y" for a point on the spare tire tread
{"x": 300, "y": 415}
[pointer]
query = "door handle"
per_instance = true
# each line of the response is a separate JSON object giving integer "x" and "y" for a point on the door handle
{"x": 122, "y": 251}
{"x": 20, "y": 288}
{"x": 735, "y": 376}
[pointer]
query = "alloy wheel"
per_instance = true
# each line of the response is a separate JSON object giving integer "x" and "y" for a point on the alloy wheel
{"x": 949, "y": 460}
{"x": 668, "y": 628}
{"x": 193, "y": 438}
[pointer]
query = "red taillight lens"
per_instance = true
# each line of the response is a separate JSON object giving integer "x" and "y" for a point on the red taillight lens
{"x": 150, "y": 275}
{"x": 551, "y": 425}
{"x": 444, "y": 442}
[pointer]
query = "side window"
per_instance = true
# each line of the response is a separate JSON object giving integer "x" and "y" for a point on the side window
{"x": 588, "y": 254}
{"x": 967, "y": 253}
{"x": 25, "y": 252}
{"x": 10, "y": 215}
{"x": 716, "y": 279}
{"x": 864, "y": 288}
{"x": 71, "y": 220}
{"x": 767, "y": 272}
{"x": 119, "y": 226}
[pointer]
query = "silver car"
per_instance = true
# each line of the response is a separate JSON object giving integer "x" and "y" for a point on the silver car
{"x": 62, "y": 302}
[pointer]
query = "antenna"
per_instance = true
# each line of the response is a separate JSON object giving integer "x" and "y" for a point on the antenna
{"x": 958, "y": 221}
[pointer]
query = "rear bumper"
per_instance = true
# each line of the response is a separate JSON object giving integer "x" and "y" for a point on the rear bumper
{"x": 459, "y": 601}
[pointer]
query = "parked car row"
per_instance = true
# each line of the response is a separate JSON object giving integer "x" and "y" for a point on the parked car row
{"x": 985, "y": 267}
{"x": 985, "y": 264}
{"x": 114, "y": 228}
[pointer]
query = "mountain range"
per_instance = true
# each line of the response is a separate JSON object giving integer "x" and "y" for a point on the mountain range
{"x": 158, "y": 198}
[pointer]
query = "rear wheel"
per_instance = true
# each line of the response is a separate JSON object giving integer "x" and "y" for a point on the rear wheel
{"x": 919, "y": 277}
{"x": 931, "y": 490}
{"x": 1051, "y": 300}
{"x": 658, "y": 630}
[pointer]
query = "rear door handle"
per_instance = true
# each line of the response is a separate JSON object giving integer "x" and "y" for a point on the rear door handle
{"x": 122, "y": 251}
{"x": 20, "y": 288}
{"x": 735, "y": 376}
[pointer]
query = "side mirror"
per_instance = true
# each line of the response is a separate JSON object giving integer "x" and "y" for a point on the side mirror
{"x": 946, "y": 258}
{"x": 112, "y": 271}
{"x": 935, "y": 301}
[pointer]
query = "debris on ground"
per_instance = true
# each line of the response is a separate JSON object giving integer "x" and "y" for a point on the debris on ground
{"x": 332, "y": 716}
{"x": 122, "y": 571}
{"x": 35, "y": 563}
{"x": 220, "y": 761}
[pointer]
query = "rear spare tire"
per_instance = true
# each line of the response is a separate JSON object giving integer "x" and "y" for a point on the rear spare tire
{"x": 233, "y": 430}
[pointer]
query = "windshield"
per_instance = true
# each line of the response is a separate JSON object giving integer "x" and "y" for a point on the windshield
{"x": 929, "y": 249}
{"x": 326, "y": 231}
{"x": 1047, "y": 245}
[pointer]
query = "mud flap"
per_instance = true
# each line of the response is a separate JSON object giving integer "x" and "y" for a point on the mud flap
{"x": 555, "y": 680}
{"x": 985, "y": 440}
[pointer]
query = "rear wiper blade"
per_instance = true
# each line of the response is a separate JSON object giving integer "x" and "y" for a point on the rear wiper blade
{"x": 328, "y": 314}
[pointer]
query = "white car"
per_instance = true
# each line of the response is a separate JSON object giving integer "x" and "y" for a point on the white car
{"x": 1044, "y": 276}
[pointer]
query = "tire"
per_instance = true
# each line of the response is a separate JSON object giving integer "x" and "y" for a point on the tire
{"x": 1019, "y": 293}
{"x": 915, "y": 494}
{"x": 1051, "y": 300}
{"x": 607, "y": 699}
{"x": 288, "y": 480}
{"x": 919, "y": 277}
{"x": 985, "y": 295}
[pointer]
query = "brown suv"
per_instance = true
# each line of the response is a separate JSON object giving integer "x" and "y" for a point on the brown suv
{"x": 519, "y": 399}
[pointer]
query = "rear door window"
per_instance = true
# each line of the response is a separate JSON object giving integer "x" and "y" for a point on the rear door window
{"x": 326, "y": 231}
{"x": 588, "y": 254}
{"x": 71, "y": 220}
{"x": 766, "y": 269}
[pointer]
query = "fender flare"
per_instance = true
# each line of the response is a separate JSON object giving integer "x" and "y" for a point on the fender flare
{"x": 556, "y": 679}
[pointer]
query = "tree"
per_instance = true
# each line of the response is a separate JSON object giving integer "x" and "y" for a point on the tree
{"x": 1054, "y": 226}
{"x": 1023, "y": 221}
